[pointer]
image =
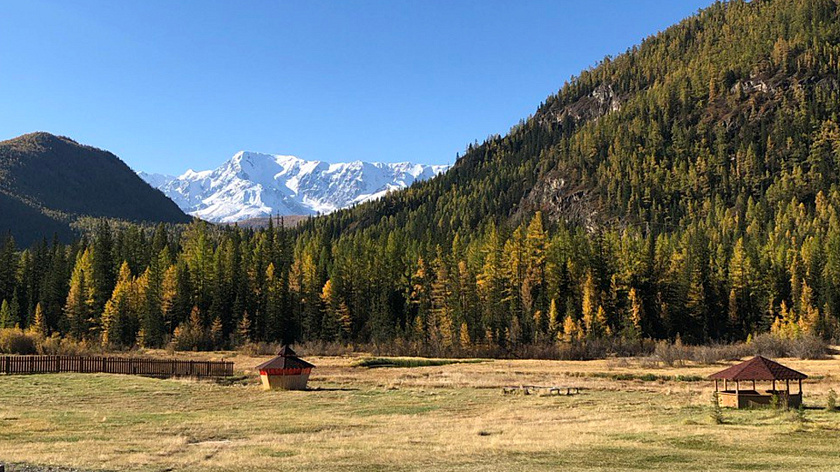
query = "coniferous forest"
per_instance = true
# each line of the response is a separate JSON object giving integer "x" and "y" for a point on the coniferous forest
{"x": 686, "y": 188}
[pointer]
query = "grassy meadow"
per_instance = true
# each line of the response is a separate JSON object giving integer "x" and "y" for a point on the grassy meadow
{"x": 408, "y": 415}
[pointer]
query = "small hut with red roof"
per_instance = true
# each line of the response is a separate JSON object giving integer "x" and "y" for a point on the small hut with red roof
{"x": 285, "y": 372}
{"x": 761, "y": 369}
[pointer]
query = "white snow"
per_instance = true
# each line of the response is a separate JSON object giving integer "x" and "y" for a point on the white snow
{"x": 252, "y": 185}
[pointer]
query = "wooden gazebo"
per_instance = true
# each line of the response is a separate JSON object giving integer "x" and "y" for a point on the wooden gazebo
{"x": 761, "y": 369}
{"x": 285, "y": 372}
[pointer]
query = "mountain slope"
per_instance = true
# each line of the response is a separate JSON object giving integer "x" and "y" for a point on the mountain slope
{"x": 254, "y": 185}
{"x": 47, "y": 181}
{"x": 688, "y": 187}
{"x": 720, "y": 106}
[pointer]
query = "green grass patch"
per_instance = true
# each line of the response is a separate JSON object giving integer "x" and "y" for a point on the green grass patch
{"x": 377, "y": 362}
{"x": 648, "y": 377}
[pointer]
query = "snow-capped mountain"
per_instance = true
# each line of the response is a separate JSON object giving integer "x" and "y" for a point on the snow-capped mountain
{"x": 253, "y": 185}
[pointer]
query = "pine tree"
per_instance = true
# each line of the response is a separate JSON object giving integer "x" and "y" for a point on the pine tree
{"x": 554, "y": 323}
{"x": 6, "y": 319}
{"x": 535, "y": 271}
{"x": 420, "y": 300}
{"x": 637, "y": 312}
{"x": 514, "y": 258}
{"x": 330, "y": 302}
{"x": 102, "y": 263}
{"x": 442, "y": 328}
{"x": 464, "y": 336}
{"x": 198, "y": 255}
{"x": 590, "y": 304}
{"x": 39, "y": 322}
{"x": 809, "y": 315}
{"x": 8, "y": 267}
{"x": 243, "y": 330}
{"x": 152, "y": 320}
{"x": 217, "y": 333}
{"x": 17, "y": 318}
{"x": 169, "y": 299}
{"x": 490, "y": 282}
{"x": 79, "y": 307}
{"x": 118, "y": 324}
{"x": 55, "y": 289}
{"x": 345, "y": 320}
{"x": 571, "y": 330}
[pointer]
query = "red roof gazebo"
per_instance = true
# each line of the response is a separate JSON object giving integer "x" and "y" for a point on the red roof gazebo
{"x": 762, "y": 369}
{"x": 285, "y": 372}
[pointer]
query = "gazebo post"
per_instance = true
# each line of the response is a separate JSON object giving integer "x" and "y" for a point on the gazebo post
{"x": 800, "y": 387}
{"x": 725, "y": 385}
{"x": 774, "y": 385}
{"x": 716, "y": 385}
{"x": 753, "y": 385}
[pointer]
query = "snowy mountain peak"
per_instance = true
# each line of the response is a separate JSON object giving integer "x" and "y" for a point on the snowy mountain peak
{"x": 253, "y": 185}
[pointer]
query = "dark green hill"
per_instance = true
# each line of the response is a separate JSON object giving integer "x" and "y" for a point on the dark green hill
{"x": 47, "y": 182}
{"x": 725, "y": 106}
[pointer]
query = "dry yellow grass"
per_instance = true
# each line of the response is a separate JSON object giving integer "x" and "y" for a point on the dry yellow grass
{"x": 450, "y": 417}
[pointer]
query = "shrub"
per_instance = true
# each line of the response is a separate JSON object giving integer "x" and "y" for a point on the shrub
{"x": 808, "y": 347}
{"x": 831, "y": 401}
{"x": 191, "y": 337}
{"x": 768, "y": 345}
{"x": 260, "y": 349}
{"x": 16, "y": 341}
{"x": 672, "y": 354}
{"x": 718, "y": 352}
{"x": 55, "y": 345}
{"x": 324, "y": 348}
{"x": 775, "y": 402}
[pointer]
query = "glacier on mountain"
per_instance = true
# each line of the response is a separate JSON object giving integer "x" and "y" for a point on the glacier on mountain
{"x": 255, "y": 185}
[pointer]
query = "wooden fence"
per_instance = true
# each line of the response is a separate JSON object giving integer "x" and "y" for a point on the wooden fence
{"x": 161, "y": 368}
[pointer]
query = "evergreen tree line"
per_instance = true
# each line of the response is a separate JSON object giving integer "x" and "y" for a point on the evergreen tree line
{"x": 206, "y": 287}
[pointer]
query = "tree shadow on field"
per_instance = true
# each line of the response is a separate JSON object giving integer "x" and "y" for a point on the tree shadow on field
{"x": 332, "y": 389}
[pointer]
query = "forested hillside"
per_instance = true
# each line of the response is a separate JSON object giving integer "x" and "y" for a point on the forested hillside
{"x": 688, "y": 187}
{"x": 47, "y": 182}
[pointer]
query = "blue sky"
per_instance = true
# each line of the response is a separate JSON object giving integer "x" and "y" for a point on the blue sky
{"x": 170, "y": 85}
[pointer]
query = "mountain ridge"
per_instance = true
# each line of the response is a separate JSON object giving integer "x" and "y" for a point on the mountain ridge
{"x": 257, "y": 185}
{"x": 49, "y": 181}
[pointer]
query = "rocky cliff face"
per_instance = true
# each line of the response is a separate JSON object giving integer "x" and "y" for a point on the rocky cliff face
{"x": 602, "y": 100}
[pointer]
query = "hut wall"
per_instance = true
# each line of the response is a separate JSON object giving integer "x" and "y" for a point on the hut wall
{"x": 728, "y": 400}
{"x": 285, "y": 382}
{"x": 748, "y": 399}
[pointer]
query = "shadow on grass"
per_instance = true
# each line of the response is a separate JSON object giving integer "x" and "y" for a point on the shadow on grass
{"x": 332, "y": 389}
